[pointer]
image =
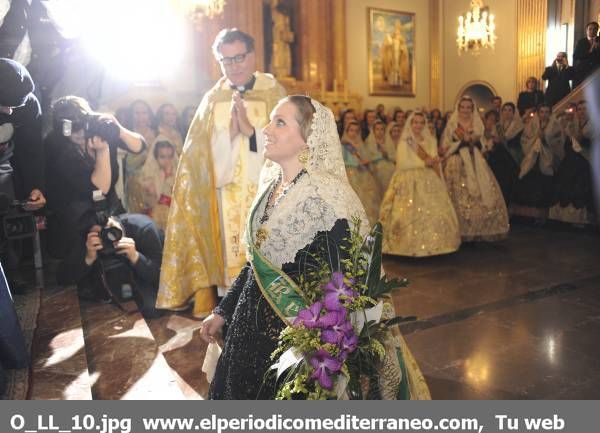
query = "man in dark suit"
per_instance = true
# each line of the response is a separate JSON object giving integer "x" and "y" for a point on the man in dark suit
{"x": 586, "y": 58}
{"x": 559, "y": 76}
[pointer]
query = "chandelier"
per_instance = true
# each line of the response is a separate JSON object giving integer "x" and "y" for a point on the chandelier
{"x": 476, "y": 30}
{"x": 206, "y": 8}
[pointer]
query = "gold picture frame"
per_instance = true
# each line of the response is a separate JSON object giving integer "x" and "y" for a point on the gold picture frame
{"x": 391, "y": 48}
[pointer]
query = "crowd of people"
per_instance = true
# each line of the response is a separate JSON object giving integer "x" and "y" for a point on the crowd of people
{"x": 223, "y": 199}
{"x": 486, "y": 164}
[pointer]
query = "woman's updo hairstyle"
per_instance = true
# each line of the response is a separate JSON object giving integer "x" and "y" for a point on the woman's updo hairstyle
{"x": 304, "y": 113}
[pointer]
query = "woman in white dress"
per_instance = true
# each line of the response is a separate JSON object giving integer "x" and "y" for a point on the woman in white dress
{"x": 477, "y": 198}
{"x": 417, "y": 215}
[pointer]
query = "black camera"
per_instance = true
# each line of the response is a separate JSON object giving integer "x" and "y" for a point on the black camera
{"x": 105, "y": 128}
{"x": 16, "y": 224}
{"x": 108, "y": 235}
{"x": 94, "y": 125}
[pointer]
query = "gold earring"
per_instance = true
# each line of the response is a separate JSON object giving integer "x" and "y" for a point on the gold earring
{"x": 303, "y": 156}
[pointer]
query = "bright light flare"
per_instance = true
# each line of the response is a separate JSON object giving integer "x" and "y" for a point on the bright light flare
{"x": 135, "y": 40}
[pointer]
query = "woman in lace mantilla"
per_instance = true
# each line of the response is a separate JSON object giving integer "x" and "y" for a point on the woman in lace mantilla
{"x": 416, "y": 213}
{"x": 478, "y": 201}
{"x": 304, "y": 203}
{"x": 573, "y": 190}
{"x": 542, "y": 143}
{"x": 360, "y": 171}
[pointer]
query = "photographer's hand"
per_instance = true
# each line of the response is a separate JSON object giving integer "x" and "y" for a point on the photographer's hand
{"x": 134, "y": 141}
{"x": 36, "y": 201}
{"x": 93, "y": 244}
{"x": 126, "y": 246}
{"x": 97, "y": 144}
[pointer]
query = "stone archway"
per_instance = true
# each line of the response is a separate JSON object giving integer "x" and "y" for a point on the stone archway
{"x": 480, "y": 91}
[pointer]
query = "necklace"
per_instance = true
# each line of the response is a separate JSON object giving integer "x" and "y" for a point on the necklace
{"x": 273, "y": 202}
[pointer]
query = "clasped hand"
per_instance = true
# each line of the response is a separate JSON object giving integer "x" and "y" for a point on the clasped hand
{"x": 239, "y": 117}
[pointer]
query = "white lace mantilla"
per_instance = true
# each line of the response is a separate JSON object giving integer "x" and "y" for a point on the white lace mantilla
{"x": 312, "y": 205}
{"x": 315, "y": 202}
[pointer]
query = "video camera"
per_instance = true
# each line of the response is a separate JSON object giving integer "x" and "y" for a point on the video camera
{"x": 94, "y": 125}
{"x": 16, "y": 223}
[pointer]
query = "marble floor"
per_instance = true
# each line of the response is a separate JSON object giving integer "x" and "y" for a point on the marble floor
{"x": 518, "y": 319}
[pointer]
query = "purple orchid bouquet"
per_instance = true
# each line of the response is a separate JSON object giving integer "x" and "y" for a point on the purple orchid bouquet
{"x": 335, "y": 346}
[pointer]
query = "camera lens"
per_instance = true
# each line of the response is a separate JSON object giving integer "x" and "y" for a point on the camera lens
{"x": 112, "y": 236}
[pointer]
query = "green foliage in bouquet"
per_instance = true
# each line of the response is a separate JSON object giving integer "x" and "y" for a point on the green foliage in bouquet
{"x": 335, "y": 346}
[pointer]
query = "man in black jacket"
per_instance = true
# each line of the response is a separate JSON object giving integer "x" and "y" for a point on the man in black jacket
{"x": 135, "y": 261}
{"x": 24, "y": 161}
{"x": 586, "y": 57}
{"x": 21, "y": 175}
{"x": 559, "y": 77}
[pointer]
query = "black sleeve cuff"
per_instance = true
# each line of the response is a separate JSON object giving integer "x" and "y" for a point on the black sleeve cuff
{"x": 221, "y": 312}
{"x": 253, "y": 146}
{"x": 145, "y": 269}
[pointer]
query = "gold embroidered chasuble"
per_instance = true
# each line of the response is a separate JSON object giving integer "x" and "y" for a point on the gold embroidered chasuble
{"x": 204, "y": 235}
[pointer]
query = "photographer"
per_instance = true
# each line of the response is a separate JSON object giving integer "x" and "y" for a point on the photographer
{"x": 81, "y": 158}
{"x": 21, "y": 177}
{"x": 22, "y": 161}
{"x": 586, "y": 57}
{"x": 559, "y": 76}
{"x": 107, "y": 261}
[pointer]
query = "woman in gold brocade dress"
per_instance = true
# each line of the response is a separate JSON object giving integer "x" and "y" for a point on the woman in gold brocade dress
{"x": 477, "y": 198}
{"x": 417, "y": 215}
{"x": 359, "y": 171}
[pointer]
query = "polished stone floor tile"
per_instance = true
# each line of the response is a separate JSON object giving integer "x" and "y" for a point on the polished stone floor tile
{"x": 517, "y": 319}
{"x": 59, "y": 363}
{"x": 179, "y": 341}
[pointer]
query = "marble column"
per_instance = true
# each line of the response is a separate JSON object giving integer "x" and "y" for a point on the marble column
{"x": 338, "y": 15}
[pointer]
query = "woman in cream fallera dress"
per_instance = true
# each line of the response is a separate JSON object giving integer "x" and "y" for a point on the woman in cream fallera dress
{"x": 417, "y": 215}
{"x": 360, "y": 171}
{"x": 473, "y": 189}
{"x": 393, "y": 131}
{"x": 381, "y": 160}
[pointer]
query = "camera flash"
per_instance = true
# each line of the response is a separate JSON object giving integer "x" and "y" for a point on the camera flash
{"x": 67, "y": 127}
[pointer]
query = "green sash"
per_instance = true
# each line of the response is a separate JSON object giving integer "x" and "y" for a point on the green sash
{"x": 286, "y": 298}
{"x": 280, "y": 291}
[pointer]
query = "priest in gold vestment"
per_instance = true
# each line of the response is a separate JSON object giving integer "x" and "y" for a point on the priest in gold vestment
{"x": 216, "y": 180}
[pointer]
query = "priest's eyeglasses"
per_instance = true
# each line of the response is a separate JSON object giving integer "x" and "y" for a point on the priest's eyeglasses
{"x": 238, "y": 58}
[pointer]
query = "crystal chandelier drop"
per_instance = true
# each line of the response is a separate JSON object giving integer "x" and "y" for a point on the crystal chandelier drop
{"x": 476, "y": 30}
{"x": 206, "y": 8}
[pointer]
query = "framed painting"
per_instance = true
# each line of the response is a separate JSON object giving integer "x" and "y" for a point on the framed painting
{"x": 391, "y": 45}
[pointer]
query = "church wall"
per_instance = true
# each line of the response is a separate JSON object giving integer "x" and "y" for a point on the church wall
{"x": 497, "y": 67}
{"x": 357, "y": 55}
